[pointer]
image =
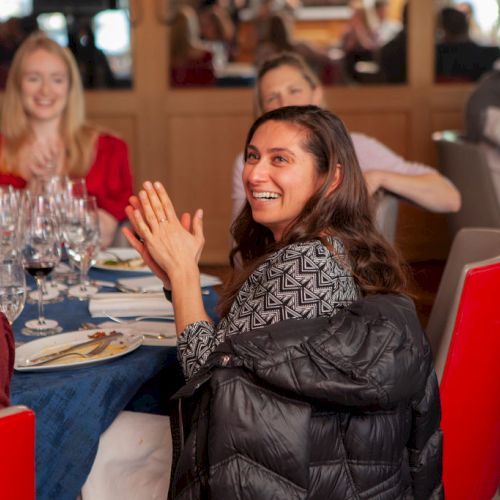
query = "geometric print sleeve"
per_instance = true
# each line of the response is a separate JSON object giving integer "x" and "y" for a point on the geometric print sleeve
{"x": 197, "y": 341}
{"x": 302, "y": 280}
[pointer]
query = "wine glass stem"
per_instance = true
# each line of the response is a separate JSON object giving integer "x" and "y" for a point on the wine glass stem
{"x": 83, "y": 274}
{"x": 39, "y": 283}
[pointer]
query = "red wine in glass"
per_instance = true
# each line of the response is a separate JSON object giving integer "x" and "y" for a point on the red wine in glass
{"x": 39, "y": 269}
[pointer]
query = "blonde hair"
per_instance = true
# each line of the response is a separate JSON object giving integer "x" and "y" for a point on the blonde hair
{"x": 78, "y": 137}
{"x": 277, "y": 61}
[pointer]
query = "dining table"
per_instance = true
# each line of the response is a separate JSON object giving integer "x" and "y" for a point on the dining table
{"x": 75, "y": 405}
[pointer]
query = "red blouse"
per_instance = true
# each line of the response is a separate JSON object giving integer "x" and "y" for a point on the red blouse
{"x": 109, "y": 178}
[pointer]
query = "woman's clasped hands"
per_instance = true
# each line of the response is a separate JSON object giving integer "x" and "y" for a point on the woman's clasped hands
{"x": 170, "y": 246}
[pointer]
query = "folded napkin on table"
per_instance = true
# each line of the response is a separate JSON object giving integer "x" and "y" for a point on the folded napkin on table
{"x": 124, "y": 305}
{"x": 154, "y": 284}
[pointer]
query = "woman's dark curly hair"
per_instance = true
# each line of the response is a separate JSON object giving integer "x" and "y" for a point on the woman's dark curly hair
{"x": 345, "y": 213}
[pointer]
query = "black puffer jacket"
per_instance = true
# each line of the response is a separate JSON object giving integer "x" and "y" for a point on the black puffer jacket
{"x": 329, "y": 408}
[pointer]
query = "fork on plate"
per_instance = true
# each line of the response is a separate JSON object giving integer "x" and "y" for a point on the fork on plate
{"x": 96, "y": 350}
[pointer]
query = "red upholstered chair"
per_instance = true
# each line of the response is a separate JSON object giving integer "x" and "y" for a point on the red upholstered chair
{"x": 17, "y": 453}
{"x": 470, "y": 386}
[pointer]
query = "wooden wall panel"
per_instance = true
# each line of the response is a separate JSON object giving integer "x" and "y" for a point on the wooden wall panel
{"x": 392, "y": 129}
{"x": 202, "y": 151}
{"x": 422, "y": 235}
{"x": 446, "y": 120}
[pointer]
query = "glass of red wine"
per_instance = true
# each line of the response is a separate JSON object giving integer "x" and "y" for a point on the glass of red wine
{"x": 40, "y": 252}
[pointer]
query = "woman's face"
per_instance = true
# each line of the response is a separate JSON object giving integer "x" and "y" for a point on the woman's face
{"x": 286, "y": 86}
{"x": 279, "y": 176}
{"x": 44, "y": 86}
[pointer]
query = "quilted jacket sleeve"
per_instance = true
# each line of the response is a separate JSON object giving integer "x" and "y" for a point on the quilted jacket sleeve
{"x": 371, "y": 355}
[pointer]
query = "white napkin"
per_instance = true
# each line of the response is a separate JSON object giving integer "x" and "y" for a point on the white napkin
{"x": 154, "y": 284}
{"x": 141, "y": 284}
{"x": 125, "y": 305}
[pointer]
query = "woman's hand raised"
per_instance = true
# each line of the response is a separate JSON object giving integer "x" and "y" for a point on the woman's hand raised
{"x": 171, "y": 247}
{"x": 135, "y": 239}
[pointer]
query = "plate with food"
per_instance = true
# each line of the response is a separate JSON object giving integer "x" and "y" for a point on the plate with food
{"x": 74, "y": 349}
{"x": 121, "y": 259}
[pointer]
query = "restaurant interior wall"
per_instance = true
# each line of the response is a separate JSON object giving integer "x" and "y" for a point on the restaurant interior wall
{"x": 189, "y": 138}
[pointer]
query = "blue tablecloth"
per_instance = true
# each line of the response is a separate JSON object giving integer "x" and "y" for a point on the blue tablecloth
{"x": 74, "y": 407}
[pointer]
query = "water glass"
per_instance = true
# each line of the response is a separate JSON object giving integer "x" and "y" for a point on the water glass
{"x": 80, "y": 230}
{"x": 12, "y": 289}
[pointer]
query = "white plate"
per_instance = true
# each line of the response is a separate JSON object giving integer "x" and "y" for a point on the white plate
{"x": 117, "y": 347}
{"x": 104, "y": 260}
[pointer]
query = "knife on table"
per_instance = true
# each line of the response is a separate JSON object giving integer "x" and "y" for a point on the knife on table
{"x": 74, "y": 347}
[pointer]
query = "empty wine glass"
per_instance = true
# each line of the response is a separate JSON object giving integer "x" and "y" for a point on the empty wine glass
{"x": 75, "y": 187}
{"x": 12, "y": 289}
{"x": 10, "y": 201}
{"x": 52, "y": 185}
{"x": 80, "y": 229}
{"x": 40, "y": 252}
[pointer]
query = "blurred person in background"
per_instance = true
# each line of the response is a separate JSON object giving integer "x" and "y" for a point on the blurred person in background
{"x": 44, "y": 131}
{"x": 287, "y": 80}
{"x": 94, "y": 67}
{"x": 359, "y": 40}
{"x": 391, "y": 56}
{"x": 385, "y": 28}
{"x": 217, "y": 32}
{"x": 191, "y": 61}
{"x": 12, "y": 33}
{"x": 458, "y": 58}
{"x": 280, "y": 39}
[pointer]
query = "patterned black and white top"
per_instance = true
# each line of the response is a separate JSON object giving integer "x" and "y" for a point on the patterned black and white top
{"x": 301, "y": 280}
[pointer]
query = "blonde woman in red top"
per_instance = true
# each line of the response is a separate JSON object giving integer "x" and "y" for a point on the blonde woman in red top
{"x": 44, "y": 131}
